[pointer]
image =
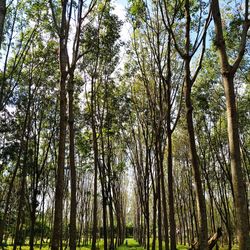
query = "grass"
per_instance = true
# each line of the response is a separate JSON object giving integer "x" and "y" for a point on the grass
{"x": 132, "y": 244}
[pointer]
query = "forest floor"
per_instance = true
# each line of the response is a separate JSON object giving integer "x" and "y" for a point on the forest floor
{"x": 134, "y": 245}
{"x": 131, "y": 245}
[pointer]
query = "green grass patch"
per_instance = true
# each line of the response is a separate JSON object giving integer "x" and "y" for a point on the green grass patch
{"x": 180, "y": 247}
{"x": 132, "y": 244}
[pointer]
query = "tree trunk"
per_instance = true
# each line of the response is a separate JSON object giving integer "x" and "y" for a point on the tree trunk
{"x": 201, "y": 205}
{"x": 154, "y": 223}
{"x": 33, "y": 217}
{"x": 2, "y": 19}
{"x": 158, "y": 190}
{"x": 72, "y": 232}
{"x": 63, "y": 57}
{"x": 211, "y": 241}
{"x": 162, "y": 200}
{"x": 21, "y": 202}
{"x": 17, "y": 239}
{"x": 43, "y": 209}
{"x": 95, "y": 148}
{"x": 104, "y": 218}
{"x": 228, "y": 72}
{"x": 111, "y": 218}
{"x": 239, "y": 187}
{"x": 170, "y": 186}
{"x": 200, "y": 199}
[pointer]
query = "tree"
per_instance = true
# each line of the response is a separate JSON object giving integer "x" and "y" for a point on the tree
{"x": 228, "y": 72}
{"x": 187, "y": 50}
{"x": 63, "y": 59}
{"x": 99, "y": 63}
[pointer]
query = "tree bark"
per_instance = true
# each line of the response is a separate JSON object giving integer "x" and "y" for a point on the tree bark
{"x": 72, "y": 232}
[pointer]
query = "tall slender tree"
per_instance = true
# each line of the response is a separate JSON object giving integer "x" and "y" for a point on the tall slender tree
{"x": 228, "y": 72}
{"x": 62, "y": 30}
{"x": 187, "y": 50}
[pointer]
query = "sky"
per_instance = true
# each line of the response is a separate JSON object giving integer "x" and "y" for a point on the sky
{"x": 126, "y": 30}
{"x": 120, "y": 11}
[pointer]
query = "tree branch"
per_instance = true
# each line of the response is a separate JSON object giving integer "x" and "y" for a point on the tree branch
{"x": 54, "y": 17}
{"x": 242, "y": 46}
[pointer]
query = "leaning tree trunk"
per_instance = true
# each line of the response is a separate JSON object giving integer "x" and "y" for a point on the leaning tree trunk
{"x": 212, "y": 241}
